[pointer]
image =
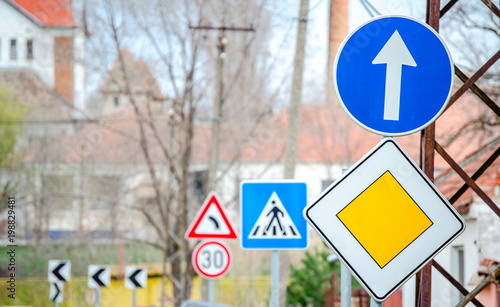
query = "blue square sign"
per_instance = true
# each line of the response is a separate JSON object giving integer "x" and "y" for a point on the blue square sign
{"x": 271, "y": 215}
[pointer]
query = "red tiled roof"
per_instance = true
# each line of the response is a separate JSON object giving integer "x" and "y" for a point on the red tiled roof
{"x": 326, "y": 135}
{"x": 50, "y": 13}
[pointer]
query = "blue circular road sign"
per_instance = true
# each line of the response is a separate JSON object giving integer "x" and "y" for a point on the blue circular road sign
{"x": 393, "y": 75}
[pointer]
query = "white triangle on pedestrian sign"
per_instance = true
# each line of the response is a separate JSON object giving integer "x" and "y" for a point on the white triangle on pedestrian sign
{"x": 274, "y": 222}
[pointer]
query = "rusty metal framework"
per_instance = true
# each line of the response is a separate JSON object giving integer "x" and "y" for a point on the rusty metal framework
{"x": 429, "y": 146}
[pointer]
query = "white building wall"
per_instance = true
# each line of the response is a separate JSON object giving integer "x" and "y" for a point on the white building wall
{"x": 443, "y": 293}
{"x": 79, "y": 73}
{"x": 313, "y": 174}
{"x": 14, "y": 25}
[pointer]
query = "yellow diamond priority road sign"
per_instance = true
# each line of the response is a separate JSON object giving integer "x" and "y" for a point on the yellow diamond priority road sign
{"x": 384, "y": 219}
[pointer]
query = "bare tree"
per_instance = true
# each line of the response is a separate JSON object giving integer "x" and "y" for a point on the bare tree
{"x": 182, "y": 60}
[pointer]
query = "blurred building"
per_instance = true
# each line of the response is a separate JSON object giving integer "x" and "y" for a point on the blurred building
{"x": 42, "y": 52}
{"x": 140, "y": 81}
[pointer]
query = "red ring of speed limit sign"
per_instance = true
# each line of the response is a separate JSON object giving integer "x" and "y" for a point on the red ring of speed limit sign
{"x": 211, "y": 259}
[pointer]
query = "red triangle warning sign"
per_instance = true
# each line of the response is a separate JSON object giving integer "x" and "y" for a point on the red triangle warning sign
{"x": 211, "y": 222}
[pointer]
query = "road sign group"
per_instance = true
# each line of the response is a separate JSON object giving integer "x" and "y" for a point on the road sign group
{"x": 271, "y": 218}
{"x": 211, "y": 259}
{"x": 59, "y": 272}
{"x": 384, "y": 218}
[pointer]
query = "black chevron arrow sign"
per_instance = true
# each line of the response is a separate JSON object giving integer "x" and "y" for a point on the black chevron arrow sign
{"x": 99, "y": 276}
{"x": 59, "y": 270}
{"x": 134, "y": 280}
{"x": 56, "y": 292}
{"x": 135, "y": 277}
{"x": 97, "y": 279}
{"x": 57, "y": 273}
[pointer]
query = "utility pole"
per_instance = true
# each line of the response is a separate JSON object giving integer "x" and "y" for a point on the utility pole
{"x": 216, "y": 119}
{"x": 291, "y": 150}
{"x": 296, "y": 95}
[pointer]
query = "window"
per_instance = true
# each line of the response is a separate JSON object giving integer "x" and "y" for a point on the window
{"x": 198, "y": 185}
{"x": 13, "y": 49}
{"x": 29, "y": 49}
{"x": 459, "y": 263}
{"x": 116, "y": 101}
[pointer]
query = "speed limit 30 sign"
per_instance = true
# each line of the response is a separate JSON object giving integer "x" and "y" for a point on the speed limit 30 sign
{"x": 211, "y": 259}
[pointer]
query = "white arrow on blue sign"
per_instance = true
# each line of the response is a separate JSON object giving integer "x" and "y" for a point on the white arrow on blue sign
{"x": 393, "y": 75}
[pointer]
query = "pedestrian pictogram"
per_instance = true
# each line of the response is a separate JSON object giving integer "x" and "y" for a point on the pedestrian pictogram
{"x": 274, "y": 222}
{"x": 211, "y": 222}
{"x": 271, "y": 215}
{"x": 384, "y": 219}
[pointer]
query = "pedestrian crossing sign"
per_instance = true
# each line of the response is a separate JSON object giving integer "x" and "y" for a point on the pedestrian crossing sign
{"x": 271, "y": 215}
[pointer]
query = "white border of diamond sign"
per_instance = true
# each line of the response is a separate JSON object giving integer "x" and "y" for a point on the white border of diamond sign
{"x": 447, "y": 224}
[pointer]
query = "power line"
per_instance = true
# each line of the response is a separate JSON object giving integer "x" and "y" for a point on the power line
{"x": 70, "y": 121}
{"x": 369, "y": 8}
{"x": 315, "y": 6}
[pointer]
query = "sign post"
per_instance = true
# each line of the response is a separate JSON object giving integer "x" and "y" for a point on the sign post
{"x": 271, "y": 218}
{"x": 135, "y": 277}
{"x": 211, "y": 222}
{"x": 380, "y": 72}
{"x": 98, "y": 276}
{"x": 59, "y": 273}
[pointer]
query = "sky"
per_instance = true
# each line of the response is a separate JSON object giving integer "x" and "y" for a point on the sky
{"x": 317, "y": 35}
{"x": 469, "y": 48}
